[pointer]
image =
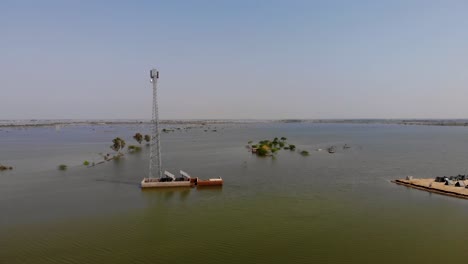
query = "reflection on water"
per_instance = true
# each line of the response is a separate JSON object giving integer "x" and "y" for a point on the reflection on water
{"x": 117, "y": 181}
{"x": 154, "y": 195}
{"x": 210, "y": 189}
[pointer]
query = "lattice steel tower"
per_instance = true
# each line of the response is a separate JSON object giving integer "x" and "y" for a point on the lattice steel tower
{"x": 155, "y": 170}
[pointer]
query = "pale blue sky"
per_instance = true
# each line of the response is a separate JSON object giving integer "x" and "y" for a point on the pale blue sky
{"x": 234, "y": 59}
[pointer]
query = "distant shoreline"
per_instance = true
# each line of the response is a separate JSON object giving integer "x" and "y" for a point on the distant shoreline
{"x": 50, "y": 123}
{"x": 421, "y": 122}
{"x": 63, "y": 122}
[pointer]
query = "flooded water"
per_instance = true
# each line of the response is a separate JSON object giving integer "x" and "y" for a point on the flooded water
{"x": 323, "y": 208}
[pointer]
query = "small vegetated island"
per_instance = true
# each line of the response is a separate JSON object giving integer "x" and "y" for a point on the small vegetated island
{"x": 266, "y": 147}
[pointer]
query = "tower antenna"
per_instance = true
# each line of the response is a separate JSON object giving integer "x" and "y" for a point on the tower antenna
{"x": 155, "y": 170}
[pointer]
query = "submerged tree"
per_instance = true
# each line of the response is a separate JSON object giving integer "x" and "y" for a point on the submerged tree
{"x": 118, "y": 144}
{"x": 138, "y": 137}
{"x": 263, "y": 151}
{"x": 133, "y": 148}
{"x": 147, "y": 138}
{"x": 271, "y": 147}
{"x": 2, "y": 167}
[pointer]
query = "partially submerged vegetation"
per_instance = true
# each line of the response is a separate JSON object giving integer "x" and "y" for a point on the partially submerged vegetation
{"x": 133, "y": 149}
{"x": 118, "y": 145}
{"x": 270, "y": 147}
{"x": 3, "y": 167}
{"x": 138, "y": 137}
{"x": 147, "y": 138}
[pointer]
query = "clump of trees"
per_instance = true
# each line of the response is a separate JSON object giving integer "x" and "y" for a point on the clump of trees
{"x": 138, "y": 137}
{"x": 271, "y": 147}
{"x": 62, "y": 167}
{"x": 117, "y": 145}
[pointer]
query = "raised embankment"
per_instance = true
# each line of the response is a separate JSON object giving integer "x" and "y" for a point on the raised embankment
{"x": 430, "y": 185}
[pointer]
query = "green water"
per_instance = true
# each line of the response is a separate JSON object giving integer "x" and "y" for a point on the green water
{"x": 323, "y": 208}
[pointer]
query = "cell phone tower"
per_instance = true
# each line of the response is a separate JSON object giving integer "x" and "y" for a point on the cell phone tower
{"x": 155, "y": 170}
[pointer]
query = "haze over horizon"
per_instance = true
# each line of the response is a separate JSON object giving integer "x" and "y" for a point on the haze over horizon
{"x": 234, "y": 59}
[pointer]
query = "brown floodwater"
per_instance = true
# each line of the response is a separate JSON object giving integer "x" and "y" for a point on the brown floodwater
{"x": 323, "y": 208}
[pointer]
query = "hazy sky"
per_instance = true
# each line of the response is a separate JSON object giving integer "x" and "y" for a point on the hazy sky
{"x": 234, "y": 59}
